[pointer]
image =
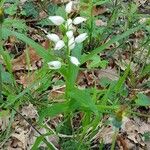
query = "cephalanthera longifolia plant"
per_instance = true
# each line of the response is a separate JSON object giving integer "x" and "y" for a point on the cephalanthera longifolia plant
{"x": 68, "y": 41}
{"x": 92, "y": 102}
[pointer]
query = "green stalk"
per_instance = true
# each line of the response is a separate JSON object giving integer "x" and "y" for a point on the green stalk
{"x": 114, "y": 139}
{"x": 0, "y": 85}
{"x": 1, "y": 48}
{"x": 91, "y": 22}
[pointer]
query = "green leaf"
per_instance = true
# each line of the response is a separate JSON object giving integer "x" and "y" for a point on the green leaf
{"x": 146, "y": 136}
{"x": 101, "y": 2}
{"x": 84, "y": 99}
{"x": 12, "y": 9}
{"x": 4, "y": 113}
{"x": 146, "y": 70}
{"x": 38, "y": 48}
{"x": 15, "y": 23}
{"x": 122, "y": 80}
{"x": 52, "y": 8}
{"x": 40, "y": 139}
{"x": 142, "y": 100}
{"x": 31, "y": 10}
{"x": 37, "y": 142}
{"x": 97, "y": 62}
{"x": 5, "y": 76}
{"x": 7, "y": 60}
{"x": 53, "y": 110}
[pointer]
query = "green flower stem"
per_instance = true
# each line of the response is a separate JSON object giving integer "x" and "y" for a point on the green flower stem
{"x": 1, "y": 48}
{"x": 91, "y": 22}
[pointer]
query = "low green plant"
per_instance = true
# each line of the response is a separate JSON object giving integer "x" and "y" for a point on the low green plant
{"x": 67, "y": 57}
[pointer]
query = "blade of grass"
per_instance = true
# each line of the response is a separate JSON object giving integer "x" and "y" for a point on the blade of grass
{"x": 122, "y": 80}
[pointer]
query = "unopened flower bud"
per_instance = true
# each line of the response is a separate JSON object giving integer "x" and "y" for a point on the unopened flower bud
{"x": 54, "y": 65}
{"x": 69, "y": 24}
{"x": 71, "y": 43}
{"x": 74, "y": 60}
{"x": 78, "y": 20}
{"x": 57, "y": 20}
{"x": 69, "y": 7}
{"x": 59, "y": 45}
{"x": 53, "y": 37}
{"x": 80, "y": 38}
{"x": 69, "y": 34}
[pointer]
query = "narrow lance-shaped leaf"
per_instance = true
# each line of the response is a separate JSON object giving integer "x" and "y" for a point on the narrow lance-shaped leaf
{"x": 122, "y": 80}
{"x": 38, "y": 48}
{"x": 53, "y": 110}
{"x": 84, "y": 99}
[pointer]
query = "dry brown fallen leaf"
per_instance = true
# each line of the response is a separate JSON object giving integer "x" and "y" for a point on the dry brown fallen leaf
{"x": 60, "y": 1}
{"x": 4, "y": 121}
{"x": 100, "y": 23}
{"x": 57, "y": 93}
{"x": 20, "y": 63}
{"x": 27, "y": 79}
{"x": 98, "y": 10}
{"x": 29, "y": 111}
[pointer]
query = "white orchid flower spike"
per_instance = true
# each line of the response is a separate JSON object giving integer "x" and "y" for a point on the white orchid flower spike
{"x": 54, "y": 65}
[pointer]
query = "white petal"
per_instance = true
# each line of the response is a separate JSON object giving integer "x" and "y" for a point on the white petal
{"x": 69, "y": 7}
{"x": 54, "y": 65}
{"x": 71, "y": 43}
{"x": 57, "y": 20}
{"x": 72, "y": 46}
{"x": 80, "y": 38}
{"x": 53, "y": 37}
{"x": 68, "y": 24}
{"x": 74, "y": 60}
{"x": 69, "y": 34}
{"x": 78, "y": 20}
{"x": 59, "y": 45}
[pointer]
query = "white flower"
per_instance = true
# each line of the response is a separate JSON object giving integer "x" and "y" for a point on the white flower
{"x": 69, "y": 7}
{"x": 71, "y": 43}
{"x": 59, "y": 45}
{"x": 69, "y": 24}
{"x": 74, "y": 60}
{"x": 78, "y": 20}
{"x": 80, "y": 38}
{"x": 57, "y": 20}
{"x": 53, "y": 37}
{"x": 54, "y": 65}
{"x": 69, "y": 34}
